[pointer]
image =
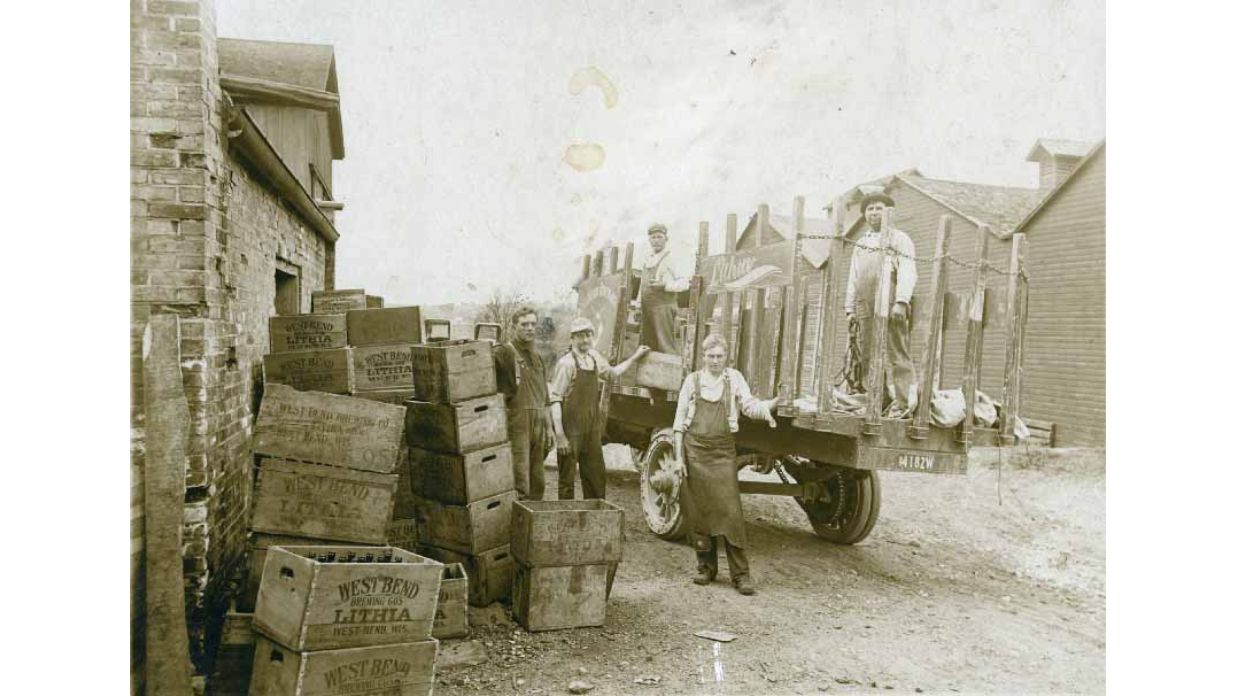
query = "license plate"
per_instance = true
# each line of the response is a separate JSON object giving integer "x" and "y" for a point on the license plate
{"x": 915, "y": 462}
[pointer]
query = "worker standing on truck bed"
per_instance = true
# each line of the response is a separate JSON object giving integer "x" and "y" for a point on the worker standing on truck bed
{"x": 704, "y": 427}
{"x": 658, "y": 295}
{"x": 860, "y": 302}
{"x": 521, "y": 379}
{"x": 575, "y": 402}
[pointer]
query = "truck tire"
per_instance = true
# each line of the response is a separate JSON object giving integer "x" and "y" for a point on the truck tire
{"x": 663, "y": 511}
{"x": 853, "y": 504}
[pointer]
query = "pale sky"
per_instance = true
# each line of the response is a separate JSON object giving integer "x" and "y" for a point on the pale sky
{"x": 458, "y": 115}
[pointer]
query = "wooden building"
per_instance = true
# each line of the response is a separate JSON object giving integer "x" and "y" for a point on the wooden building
{"x": 1065, "y": 366}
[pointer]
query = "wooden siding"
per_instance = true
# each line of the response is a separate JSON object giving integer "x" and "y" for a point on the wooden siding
{"x": 1065, "y": 357}
{"x": 300, "y": 136}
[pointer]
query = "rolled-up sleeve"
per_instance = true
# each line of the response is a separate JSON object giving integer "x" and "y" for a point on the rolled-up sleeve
{"x": 684, "y": 402}
{"x": 564, "y": 372}
{"x": 604, "y": 369}
{"x": 751, "y": 407}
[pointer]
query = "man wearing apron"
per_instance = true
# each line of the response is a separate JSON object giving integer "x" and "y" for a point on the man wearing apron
{"x": 575, "y": 402}
{"x": 658, "y": 296}
{"x": 521, "y": 379}
{"x": 704, "y": 428}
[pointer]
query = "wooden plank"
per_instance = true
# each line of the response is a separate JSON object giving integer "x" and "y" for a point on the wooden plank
{"x": 824, "y": 348}
{"x": 479, "y": 526}
{"x": 879, "y": 333}
{"x": 787, "y": 387}
{"x": 490, "y": 573}
{"x": 245, "y": 89}
{"x": 702, "y": 308}
{"x": 451, "y": 618}
{"x": 768, "y": 488}
{"x": 587, "y": 267}
{"x": 759, "y": 341}
{"x": 727, "y": 298}
{"x": 1013, "y": 339}
{"x": 972, "y": 364}
{"x": 932, "y": 344}
{"x": 450, "y": 372}
{"x": 167, "y": 665}
{"x": 566, "y": 532}
{"x": 660, "y": 371}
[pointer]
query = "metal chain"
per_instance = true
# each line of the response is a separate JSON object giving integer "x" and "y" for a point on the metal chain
{"x": 1021, "y": 273}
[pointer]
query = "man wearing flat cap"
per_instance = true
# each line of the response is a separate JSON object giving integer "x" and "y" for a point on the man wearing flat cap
{"x": 575, "y": 405}
{"x": 860, "y": 301}
{"x": 658, "y": 295}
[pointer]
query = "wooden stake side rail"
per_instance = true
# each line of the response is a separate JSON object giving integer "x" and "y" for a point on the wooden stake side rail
{"x": 764, "y": 285}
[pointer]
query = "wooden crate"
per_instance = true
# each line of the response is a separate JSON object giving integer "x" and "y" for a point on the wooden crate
{"x": 374, "y": 302}
{"x": 386, "y": 396}
{"x": 490, "y": 573}
{"x": 399, "y": 669}
{"x": 405, "y": 504}
{"x": 328, "y": 371}
{"x": 456, "y": 428}
{"x": 451, "y": 620}
{"x": 459, "y": 479}
{"x": 322, "y": 502}
{"x": 382, "y": 367}
{"x": 258, "y": 545}
{"x": 329, "y": 429}
{"x": 401, "y": 533}
{"x": 553, "y": 597}
{"x": 566, "y": 532}
{"x": 338, "y": 301}
{"x": 308, "y": 332}
{"x": 472, "y": 528}
{"x": 379, "y": 327}
{"x": 449, "y": 372}
{"x": 306, "y": 604}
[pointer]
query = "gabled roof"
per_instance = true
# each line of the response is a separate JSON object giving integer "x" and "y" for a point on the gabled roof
{"x": 782, "y": 228}
{"x": 1001, "y": 207}
{"x": 1057, "y": 148}
{"x": 1051, "y": 195}
{"x": 307, "y": 69}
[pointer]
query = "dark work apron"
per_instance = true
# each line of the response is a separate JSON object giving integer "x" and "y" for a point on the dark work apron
{"x": 713, "y": 505}
{"x": 658, "y": 311}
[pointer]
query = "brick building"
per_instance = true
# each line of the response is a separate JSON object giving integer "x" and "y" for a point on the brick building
{"x": 232, "y": 221}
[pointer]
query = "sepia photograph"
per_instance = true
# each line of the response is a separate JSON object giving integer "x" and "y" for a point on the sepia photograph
{"x": 631, "y": 347}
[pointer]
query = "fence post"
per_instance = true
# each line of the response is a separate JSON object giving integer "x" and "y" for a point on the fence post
{"x": 879, "y": 339}
{"x": 931, "y": 348}
{"x": 1013, "y": 337}
{"x": 973, "y": 365}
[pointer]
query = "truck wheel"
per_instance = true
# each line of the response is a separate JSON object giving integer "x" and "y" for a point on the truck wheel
{"x": 659, "y": 488}
{"x": 851, "y": 506}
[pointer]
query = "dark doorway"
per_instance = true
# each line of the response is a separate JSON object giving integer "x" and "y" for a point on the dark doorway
{"x": 287, "y": 289}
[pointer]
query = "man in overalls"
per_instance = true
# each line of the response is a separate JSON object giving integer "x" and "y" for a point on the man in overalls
{"x": 521, "y": 379}
{"x": 575, "y": 402}
{"x": 860, "y": 301}
{"x": 658, "y": 295}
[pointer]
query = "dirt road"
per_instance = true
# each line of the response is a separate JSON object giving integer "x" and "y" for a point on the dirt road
{"x": 991, "y": 582}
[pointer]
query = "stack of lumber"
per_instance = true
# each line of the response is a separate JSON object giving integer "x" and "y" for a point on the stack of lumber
{"x": 566, "y": 554}
{"x": 345, "y": 620}
{"x": 459, "y": 457}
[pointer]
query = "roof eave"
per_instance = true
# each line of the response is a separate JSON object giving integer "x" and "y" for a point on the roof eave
{"x": 1051, "y": 195}
{"x": 251, "y": 143}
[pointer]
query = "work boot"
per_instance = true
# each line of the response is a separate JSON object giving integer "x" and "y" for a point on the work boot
{"x": 744, "y": 585}
{"x": 704, "y": 576}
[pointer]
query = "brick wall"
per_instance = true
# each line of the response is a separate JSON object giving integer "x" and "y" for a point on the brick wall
{"x": 204, "y": 238}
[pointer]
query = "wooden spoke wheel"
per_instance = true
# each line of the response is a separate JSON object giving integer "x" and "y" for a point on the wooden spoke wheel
{"x": 660, "y": 488}
{"x": 846, "y": 503}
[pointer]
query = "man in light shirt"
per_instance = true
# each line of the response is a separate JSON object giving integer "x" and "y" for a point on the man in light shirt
{"x": 861, "y": 296}
{"x": 660, "y": 284}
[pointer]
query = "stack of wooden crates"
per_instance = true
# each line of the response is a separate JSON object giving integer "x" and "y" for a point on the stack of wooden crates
{"x": 566, "y": 554}
{"x": 336, "y": 620}
{"x": 459, "y": 457}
